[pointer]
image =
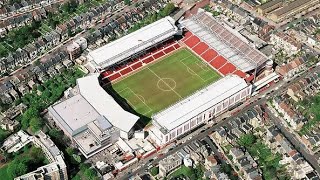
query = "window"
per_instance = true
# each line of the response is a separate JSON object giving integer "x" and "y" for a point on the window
{"x": 219, "y": 108}
{"x": 193, "y": 122}
{"x": 231, "y": 100}
{"x": 238, "y": 97}
{"x": 179, "y": 131}
{"x": 243, "y": 94}
{"x": 199, "y": 119}
{"x": 186, "y": 127}
{"x": 173, "y": 134}
{"x": 225, "y": 104}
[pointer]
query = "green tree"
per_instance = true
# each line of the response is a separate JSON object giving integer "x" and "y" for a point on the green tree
{"x": 56, "y": 134}
{"x": 247, "y": 140}
{"x": 127, "y": 2}
{"x": 16, "y": 168}
{"x": 168, "y": 9}
{"x": 40, "y": 88}
{"x": 35, "y": 124}
{"x": 90, "y": 174}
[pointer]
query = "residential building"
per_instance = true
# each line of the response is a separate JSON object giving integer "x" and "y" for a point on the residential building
{"x": 282, "y": 41}
{"x": 74, "y": 50}
{"x": 293, "y": 8}
{"x": 169, "y": 164}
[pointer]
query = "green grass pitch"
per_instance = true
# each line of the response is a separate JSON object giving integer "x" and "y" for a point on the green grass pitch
{"x": 159, "y": 85}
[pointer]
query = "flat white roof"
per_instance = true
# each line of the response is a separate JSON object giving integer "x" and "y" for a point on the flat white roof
{"x": 202, "y": 100}
{"x": 74, "y": 113}
{"x": 104, "y": 103}
{"x": 132, "y": 43}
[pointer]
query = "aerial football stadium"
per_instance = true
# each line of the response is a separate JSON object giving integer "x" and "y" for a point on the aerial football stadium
{"x": 180, "y": 77}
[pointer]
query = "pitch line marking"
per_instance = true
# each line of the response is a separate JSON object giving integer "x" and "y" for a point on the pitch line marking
{"x": 166, "y": 90}
{"x": 142, "y": 100}
{"x": 194, "y": 72}
{"x": 165, "y": 83}
{"x": 206, "y": 64}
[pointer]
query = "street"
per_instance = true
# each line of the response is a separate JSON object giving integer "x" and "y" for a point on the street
{"x": 312, "y": 159}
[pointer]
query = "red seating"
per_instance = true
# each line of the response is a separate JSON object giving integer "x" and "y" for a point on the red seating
{"x": 218, "y": 62}
{"x": 158, "y": 55}
{"x": 149, "y": 59}
{"x": 192, "y": 41}
{"x": 168, "y": 50}
{"x": 187, "y": 35}
{"x": 106, "y": 73}
{"x": 200, "y": 48}
{"x": 177, "y": 46}
{"x": 227, "y": 69}
{"x": 136, "y": 66}
{"x": 114, "y": 76}
{"x": 209, "y": 55}
{"x": 125, "y": 71}
{"x": 240, "y": 73}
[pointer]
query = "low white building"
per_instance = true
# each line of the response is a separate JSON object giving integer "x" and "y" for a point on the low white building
{"x": 92, "y": 118}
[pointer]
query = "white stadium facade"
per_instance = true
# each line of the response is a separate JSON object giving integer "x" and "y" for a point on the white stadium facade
{"x": 198, "y": 108}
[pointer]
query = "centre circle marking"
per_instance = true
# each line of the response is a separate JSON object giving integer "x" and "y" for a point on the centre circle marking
{"x": 166, "y": 84}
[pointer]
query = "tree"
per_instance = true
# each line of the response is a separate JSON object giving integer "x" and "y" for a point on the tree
{"x": 127, "y": 2}
{"x": 168, "y": 9}
{"x": 226, "y": 168}
{"x": 35, "y": 124}
{"x": 56, "y": 134}
{"x": 198, "y": 172}
{"x": 70, "y": 151}
{"x": 41, "y": 88}
{"x": 247, "y": 140}
{"x": 16, "y": 168}
{"x": 90, "y": 174}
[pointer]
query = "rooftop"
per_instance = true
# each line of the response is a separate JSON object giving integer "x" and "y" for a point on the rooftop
{"x": 104, "y": 104}
{"x": 75, "y": 113}
{"x": 193, "y": 105}
{"x": 132, "y": 43}
{"x": 292, "y": 5}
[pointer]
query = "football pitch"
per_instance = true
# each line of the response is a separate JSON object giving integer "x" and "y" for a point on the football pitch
{"x": 159, "y": 85}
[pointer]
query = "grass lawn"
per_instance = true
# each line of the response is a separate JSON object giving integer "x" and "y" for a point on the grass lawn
{"x": 183, "y": 170}
{"x": 3, "y": 172}
{"x": 154, "y": 171}
{"x": 162, "y": 84}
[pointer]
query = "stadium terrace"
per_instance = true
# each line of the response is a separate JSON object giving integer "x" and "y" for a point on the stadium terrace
{"x": 140, "y": 40}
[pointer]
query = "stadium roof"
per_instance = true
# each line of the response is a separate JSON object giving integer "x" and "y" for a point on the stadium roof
{"x": 225, "y": 42}
{"x": 104, "y": 104}
{"x": 202, "y": 100}
{"x": 132, "y": 43}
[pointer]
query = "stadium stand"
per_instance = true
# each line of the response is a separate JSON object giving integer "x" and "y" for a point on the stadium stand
{"x": 203, "y": 27}
{"x": 114, "y": 73}
{"x": 211, "y": 56}
{"x": 128, "y": 46}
